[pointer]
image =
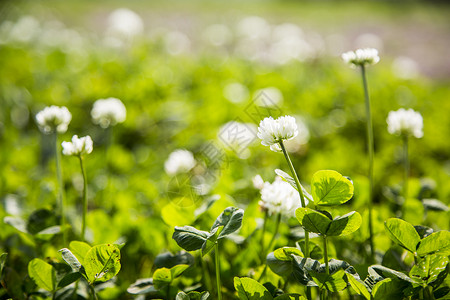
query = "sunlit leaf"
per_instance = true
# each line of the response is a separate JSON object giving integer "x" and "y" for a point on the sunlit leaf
{"x": 344, "y": 225}
{"x": 230, "y": 219}
{"x": 437, "y": 242}
{"x": 250, "y": 289}
{"x": 402, "y": 233}
{"x": 312, "y": 221}
{"x": 102, "y": 262}
{"x": 43, "y": 274}
{"x": 330, "y": 188}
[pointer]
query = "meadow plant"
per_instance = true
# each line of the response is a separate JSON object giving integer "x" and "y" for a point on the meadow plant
{"x": 273, "y": 133}
{"x": 405, "y": 123}
{"x": 53, "y": 120}
{"x": 362, "y": 58}
{"x": 80, "y": 147}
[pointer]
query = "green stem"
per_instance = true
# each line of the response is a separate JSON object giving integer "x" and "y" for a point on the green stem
{"x": 406, "y": 164}
{"x": 325, "y": 255}
{"x": 266, "y": 213}
{"x": 60, "y": 190}
{"x": 85, "y": 206}
{"x": 277, "y": 226}
{"x": 216, "y": 256}
{"x": 205, "y": 274}
{"x": 300, "y": 191}
{"x": 168, "y": 292}
{"x": 94, "y": 295}
{"x": 370, "y": 149}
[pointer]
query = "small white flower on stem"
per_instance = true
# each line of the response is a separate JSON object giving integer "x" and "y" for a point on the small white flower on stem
{"x": 271, "y": 131}
{"x": 53, "y": 118}
{"x": 78, "y": 146}
{"x": 108, "y": 112}
{"x": 179, "y": 161}
{"x": 405, "y": 122}
{"x": 361, "y": 57}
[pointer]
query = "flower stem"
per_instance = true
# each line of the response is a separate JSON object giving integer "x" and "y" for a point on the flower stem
{"x": 60, "y": 190}
{"x": 406, "y": 164}
{"x": 216, "y": 256}
{"x": 277, "y": 226}
{"x": 266, "y": 214}
{"x": 93, "y": 294}
{"x": 370, "y": 149}
{"x": 300, "y": 191}
{"x": 325, "y": 255}
{"x": 85, "y": 206}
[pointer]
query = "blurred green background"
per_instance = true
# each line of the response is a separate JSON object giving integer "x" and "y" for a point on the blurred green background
{"x": 186, "y": 69}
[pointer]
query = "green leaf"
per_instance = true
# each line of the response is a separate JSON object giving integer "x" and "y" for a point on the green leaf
{"x": 402, "y": 233}
{"x": 437, "y": 242}
{"x": 285, "y": 253}
{"x": 389, "y": 288}
{"x": 389, "y": 273}
{"x": 2, "y": 263}
{"x": 102, "y": 262}
{"x": 192, "y": 296}
{"x": 43, "y": 274}
{"x": 211, "y": 241}
{"x": 358, "y": 286}
{"x": 290, "y": 297}
{"x": 178, "y": 270}
{"x": 162, "y": 278}
{"x": 79, "y": 249}
{"x": 332, "y": 282}
{"x": 344, "y": 225}
{"x": 17, "y": 223}
{"x": 230, "y": 219}
{"x": 428, "y": 269}
{"x": 434, "y": 205}
{"x": 250, "y": 289}
{"x": 312, "y": 221}
{"x": 68, "y": 279}
{"x": 330, "y": 188}
{"x": 70, "y": 259}
{"x": 142, "y": 286}
{"x": 286, "y": 177}
{"x": 189, "y": 238}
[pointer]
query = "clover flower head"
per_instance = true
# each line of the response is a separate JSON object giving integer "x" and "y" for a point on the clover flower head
{"x": 179, "y": 161}
{"x": 272, "y": 131}
{"x": 258, "y": 182}
{"x": 108, "y": 112}
{"x": 361, "y": 57}
{"x": 78, "y": 146}
{"x": 53, "y": 118}
{"x": 405, "y": 122}
{"x": 279, "y": 197}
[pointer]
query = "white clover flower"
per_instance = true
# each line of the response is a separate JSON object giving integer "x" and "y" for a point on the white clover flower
{"x": 78, "y": 146}
{"x": 179, "y": 161}
{"x": 108, "y": 112}
{"x": 271, "y": 131}
{"x": 280, "y": 197}
{"x": 258, "y": 182}
{"x": 125, "y": 22}
{"x": 53, "y": 118}
{"x": 361, "y": 57}
{"x": 405, "y": 122}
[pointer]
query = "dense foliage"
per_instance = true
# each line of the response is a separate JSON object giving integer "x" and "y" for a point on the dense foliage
{"x": 140, "y": 217}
